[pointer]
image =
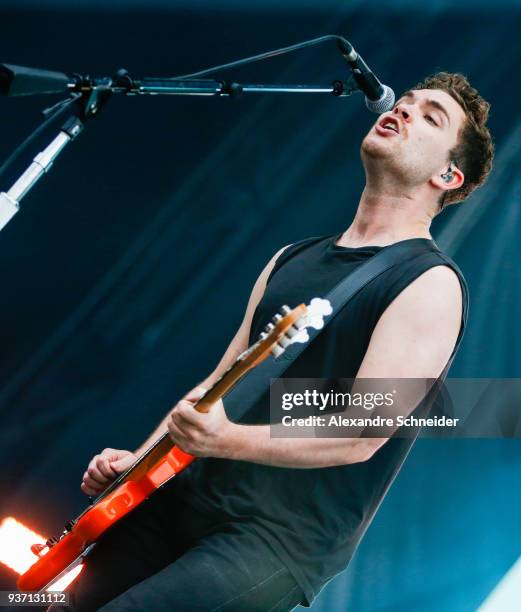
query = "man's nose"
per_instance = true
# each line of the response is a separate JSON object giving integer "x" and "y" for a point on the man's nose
{"x": 403, "y": 111}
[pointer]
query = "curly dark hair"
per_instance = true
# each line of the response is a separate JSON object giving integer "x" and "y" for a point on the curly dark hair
{"x": 474, "y": 152}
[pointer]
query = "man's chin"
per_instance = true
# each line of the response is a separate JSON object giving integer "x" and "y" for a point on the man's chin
{"x": 374, "y": 145}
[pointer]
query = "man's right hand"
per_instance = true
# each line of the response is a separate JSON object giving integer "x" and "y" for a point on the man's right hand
{"x": 104, "y": 468}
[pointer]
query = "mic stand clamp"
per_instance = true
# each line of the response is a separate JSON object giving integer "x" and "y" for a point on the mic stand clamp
{"x": 88, "y": 105}
{"x": 93, "y": 93}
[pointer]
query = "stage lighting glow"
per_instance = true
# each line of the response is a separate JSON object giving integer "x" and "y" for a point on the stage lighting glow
{"x": 15, "y": 551}
{"x": 15, "y": 545}
{"x": 507, "y": 594}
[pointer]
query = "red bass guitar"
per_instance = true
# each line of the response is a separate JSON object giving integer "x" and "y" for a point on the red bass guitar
{"x": 163, "y": 460}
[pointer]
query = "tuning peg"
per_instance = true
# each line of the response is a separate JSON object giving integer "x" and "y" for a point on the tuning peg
{"x": 291, "y": 331}
{"x": 283, "y": 341}
{"x": 277, "y": 350}
{"x": 285, "y": 310}
{"x": 269, "y": 327}
{"x": 277, "y": 318}
{"x": 262, "y": 335}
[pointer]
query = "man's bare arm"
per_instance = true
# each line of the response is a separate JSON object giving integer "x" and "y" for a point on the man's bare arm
{"x": 238, "y": 344}
{"x": 103, "y": 468}
{"x": 414, "y": 338}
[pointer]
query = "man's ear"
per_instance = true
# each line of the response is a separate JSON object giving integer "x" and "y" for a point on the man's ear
{"x": 450, "y": 178}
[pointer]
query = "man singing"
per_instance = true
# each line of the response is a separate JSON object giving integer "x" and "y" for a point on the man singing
{"x": 262, "y": 523}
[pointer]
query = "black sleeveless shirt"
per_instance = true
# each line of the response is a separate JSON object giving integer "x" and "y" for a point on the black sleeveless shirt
{"x": 313, "y": 519}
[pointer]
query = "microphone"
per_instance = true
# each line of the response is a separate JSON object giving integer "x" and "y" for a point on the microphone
{"x": 379, "y": 98}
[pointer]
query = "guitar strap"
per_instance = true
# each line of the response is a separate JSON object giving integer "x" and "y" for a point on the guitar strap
{"x": 255, "y": 384}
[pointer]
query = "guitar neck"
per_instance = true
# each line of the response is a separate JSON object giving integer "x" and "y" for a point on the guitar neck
{"x": 254, "y": 355}
{"x": 163, "y": 444}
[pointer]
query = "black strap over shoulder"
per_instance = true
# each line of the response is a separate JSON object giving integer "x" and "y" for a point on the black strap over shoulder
{"x": 252, "y": 387}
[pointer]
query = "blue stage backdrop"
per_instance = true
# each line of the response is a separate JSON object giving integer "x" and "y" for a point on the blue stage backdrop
{"x": 121, "y": 285}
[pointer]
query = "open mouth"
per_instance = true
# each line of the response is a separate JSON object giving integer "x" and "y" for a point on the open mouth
{"x": 389, "y": 124}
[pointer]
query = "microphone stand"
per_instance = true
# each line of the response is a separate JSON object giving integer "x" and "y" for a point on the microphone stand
{"x": 87, "y": 106}
{"x": 93, "y": 94}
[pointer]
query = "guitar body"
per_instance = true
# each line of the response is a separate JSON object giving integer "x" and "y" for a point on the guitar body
{"x": 162, "y": 461}
{"x": 105, "y": 513}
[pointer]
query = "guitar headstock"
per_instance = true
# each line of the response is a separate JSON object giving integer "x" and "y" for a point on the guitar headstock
{"x": 288, "y": 327}
{"x": 313, "y": 317}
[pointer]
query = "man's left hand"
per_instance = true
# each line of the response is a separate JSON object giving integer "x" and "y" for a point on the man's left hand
{"x": 203, "y": 434}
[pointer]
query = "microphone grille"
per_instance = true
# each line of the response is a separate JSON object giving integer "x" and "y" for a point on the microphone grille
{"x": 384, "y": 103}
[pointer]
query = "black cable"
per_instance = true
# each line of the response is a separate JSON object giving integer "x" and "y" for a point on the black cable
{"x": 62, "y": 107}
{"x": 261, "y": 56}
